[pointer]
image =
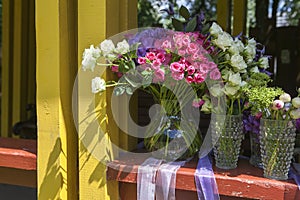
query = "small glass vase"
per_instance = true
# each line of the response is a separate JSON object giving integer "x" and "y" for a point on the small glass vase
{"x": 227, "y": 135}
{"x": 277, "y": 140}
{"x": 255, "y": 158}
{"x": 173, "y": 138}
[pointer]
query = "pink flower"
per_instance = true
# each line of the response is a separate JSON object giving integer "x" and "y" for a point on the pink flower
{"x": 151, "y": 56}
{"x": 212, "y": 65}
{"x": 159, "y": 76}
{"x": 156, "y": 64}
{"x": 191, "y": 70}
{"x": 186, "y": 40}
{"x": 277, "y": 104}
{"x": 181, "y": 52}
{"x": 161, "y": 57}
{"x": 215, "y": 74}
{"x": 115, "y": 68}
{"x": 204, "y": 68}
{"x": 141, "y": 60}
{"x": 168, "y": 58}
{"x": 166, "y": 44}
{"x": 198, "y": 78}
{"x": 198, "y": 102}
{"x": 196, "y": 56}
{"x": 177, "y": 67}
{"x": 177, "y": 76}
{"x": 189, "y": 79}
{"x": 192, "y": 48}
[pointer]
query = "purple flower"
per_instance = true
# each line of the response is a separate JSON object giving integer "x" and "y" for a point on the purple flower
{"x": 298, "y": 124}
{"x": 251, "y": 123}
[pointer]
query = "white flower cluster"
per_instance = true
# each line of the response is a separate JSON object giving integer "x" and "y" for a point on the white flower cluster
{"x": 106, "y": 49}
{"x": 237, "y": 58}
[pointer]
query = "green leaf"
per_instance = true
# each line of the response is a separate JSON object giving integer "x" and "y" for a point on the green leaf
{"x": 129, "y": 90}
{"x": 178, "y": 25}
{"x": 132, "y": 82}
{"x": 191, "y": 25}
{"x": 205, "y": 28}
{"x": 184, "y": 12}
{"x": 119, "y": 90}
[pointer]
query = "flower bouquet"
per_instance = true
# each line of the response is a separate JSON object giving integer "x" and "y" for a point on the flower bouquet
{"x": 277, "y": 128}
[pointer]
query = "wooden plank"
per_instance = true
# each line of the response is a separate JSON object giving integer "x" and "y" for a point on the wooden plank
{"x": 224, "y": 14}
{"x": 19, "y": 177}
{"x": 245, "y": 181}
{"x": 18, "y": 153}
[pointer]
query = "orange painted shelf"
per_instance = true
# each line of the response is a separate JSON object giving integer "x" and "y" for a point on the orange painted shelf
{"x": 18, "y": 162}
{"x": 246, "y": 181}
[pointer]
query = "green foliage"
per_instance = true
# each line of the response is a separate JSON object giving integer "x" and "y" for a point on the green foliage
{"x": 260, "y": 98}
{"x": 291, "y": 8}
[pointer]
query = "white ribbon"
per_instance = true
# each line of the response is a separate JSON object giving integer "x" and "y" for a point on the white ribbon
{"x": 166, "y": 180}
{"x": 163, "y": 185}
{"x": 146, "y": 179}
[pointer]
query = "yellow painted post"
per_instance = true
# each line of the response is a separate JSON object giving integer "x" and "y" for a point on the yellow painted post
{"x": 98, "y": 20}
{"x": 239, "y": 17}
{"x": 56, "y": 68}
{"x": 6, "y": 82}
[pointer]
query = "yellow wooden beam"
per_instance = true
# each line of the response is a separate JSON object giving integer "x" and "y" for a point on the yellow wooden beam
{"x": 239, "y": 17}
{"x": 7, "y": 54}
{"x": 98, "y": 20}
{"x": 56, "y": 68}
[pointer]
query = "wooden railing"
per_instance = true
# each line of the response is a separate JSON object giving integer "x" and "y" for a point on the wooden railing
{"x": 244, "y": 182}
{"x": 18, "y": 162}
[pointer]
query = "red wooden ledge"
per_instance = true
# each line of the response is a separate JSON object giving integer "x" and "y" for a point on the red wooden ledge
{"x": 18, "y": 153}
{"x": 245, "y": 181}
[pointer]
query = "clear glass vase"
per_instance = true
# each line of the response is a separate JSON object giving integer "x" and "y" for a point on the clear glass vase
{"x": 277, "y": 140}
{"x": 173, "y": 138}
{"x": 227, "y": 135}
{"x": 255, "y": 158}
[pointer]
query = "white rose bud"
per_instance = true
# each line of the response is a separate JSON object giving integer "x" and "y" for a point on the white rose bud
{"x": 122, "y": 47}
{"x": 277, "y": 105}
{"x": 98, "y": 85}
{"x": 296, "y": 102}
{"x": 216, "y": 90}
{"x": 285, "y": 97}
{"x": 107, "y": 47}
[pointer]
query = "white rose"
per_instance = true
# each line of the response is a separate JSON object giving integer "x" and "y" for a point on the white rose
{"x": 285, "y": 97}
{"x": 295, "y": 114}
{"x": 224, "y": 41}
{"x": 107, "y": 47}
{"x": 236, "y": 47}
{"x": 231, "y": 90}
{"x": 216, "y": 90}
{"x": 296, "y": 102}
{"x": 237, "y": 62}
{"x": 215, "y": 29}
{"x": 90, "y": 57}
{"x": 235, "y": 79}
{"x": 264, "y": 62}
{"x": 122, "y": 47}
{"x": 98, "y": 85}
